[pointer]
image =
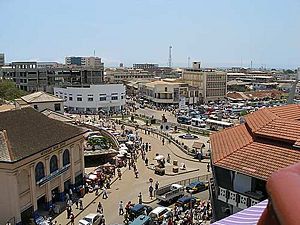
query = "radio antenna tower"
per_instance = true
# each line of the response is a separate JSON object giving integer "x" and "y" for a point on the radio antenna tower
{"x": 170, "y": 56}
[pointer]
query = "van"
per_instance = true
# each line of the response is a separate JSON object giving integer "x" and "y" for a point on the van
{"x": 159, "y": 213}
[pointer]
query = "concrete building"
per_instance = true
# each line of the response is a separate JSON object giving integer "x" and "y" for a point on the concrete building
{"x": 212, "y": 84}
{"x": 40, "y": 158}
{"x": 91, "y": 61}
{"x": 244, "y": 157}
{"x": 92, "y": 99}
{"x": 41, "y": 101}
{"x": 2, "y": 59}
{"x": 169, "y": 92}
{"x": 121, "y": 75}
{"x": 145, "y": 66}
{"x": 30, "y": 77}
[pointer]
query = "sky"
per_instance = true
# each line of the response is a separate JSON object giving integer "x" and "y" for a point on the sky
{"x": 219, "y": 33}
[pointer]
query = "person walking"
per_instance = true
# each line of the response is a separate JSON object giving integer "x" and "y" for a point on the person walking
{"x": 100, "y": 208}
{"x": 146, "y": 161}
{"x": 104, "y": 196}
{"x": 208, "y": 167}
{"x": 72, "y": 219}
{"x": 163, "y": 141}
{"x": 151, "y": 191}
{"x": 149, "y": 147}
{"x": 156, "y": 185}
{"x": 121, "y": 208}
{"x": 168, "y": 158}
{"x": 80, "y": 204}
{"x": 140, "y": 198}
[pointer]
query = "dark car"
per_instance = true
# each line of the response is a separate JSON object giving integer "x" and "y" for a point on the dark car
{"x": 196, "y": 186}
{"x": 137, "y": 210}
{"x": 184, "y": 120}
{"x": 186, "y": 202}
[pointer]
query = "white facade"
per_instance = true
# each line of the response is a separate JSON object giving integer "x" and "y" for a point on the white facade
{"x": 107, "y": 97}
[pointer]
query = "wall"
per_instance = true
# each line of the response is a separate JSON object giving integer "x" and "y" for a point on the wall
{"x": 48, "y": 105}
{"x": 94, "y": 91}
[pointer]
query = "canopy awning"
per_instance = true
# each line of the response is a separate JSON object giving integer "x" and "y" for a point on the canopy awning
{"x": 198, "y": 145}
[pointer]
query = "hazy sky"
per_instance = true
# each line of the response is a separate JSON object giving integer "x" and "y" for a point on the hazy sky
{"x": 215, "y": 32}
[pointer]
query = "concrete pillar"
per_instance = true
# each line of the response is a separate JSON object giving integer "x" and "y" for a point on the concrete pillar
{"x": 72, "y": 159}
{"x": 48, "y": 186}
{"x": 14, "y": 193}
{"x": 33, "y": 187}
{"x": 61, "y": 179}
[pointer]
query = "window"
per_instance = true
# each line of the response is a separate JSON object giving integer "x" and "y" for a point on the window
{"x": 66, "y": 157}
{"x": 79, "y": 99}
{"x": 102, "y": 99}
{"x": 39, "y": 171}
{"x": 90, "y": 99}
{"x": 53, "y": 164}
{"x": 57, "y": 107}
{"x": 122, "y": 97}
{"x": 114, "y": 97}
{"x": 166, "y": 89}
{"x": 35, "y": 107}
{"x": 70, "y": 98}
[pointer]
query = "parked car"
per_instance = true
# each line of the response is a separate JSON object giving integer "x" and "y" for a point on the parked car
{"x": 91, "y": 219}
{"x": 160, "y": 212}
{"x": 142, "y": 220}
{"x": 186, "y": 202}
{"x": 137, "y": 210}
{"x": 196, "y": 186}
{"x": 169, "y": 192}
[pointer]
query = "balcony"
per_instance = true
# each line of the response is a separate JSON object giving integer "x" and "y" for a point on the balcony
{"x": 242, "y": 201}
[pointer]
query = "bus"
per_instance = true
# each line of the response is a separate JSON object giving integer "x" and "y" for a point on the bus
{"x": 216, "y": 124}
{"x": 197, "y": 122}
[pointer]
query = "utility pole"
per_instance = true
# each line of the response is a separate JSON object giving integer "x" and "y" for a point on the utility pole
{"x": 170, "y": 56}
{"x": 189, "y": 59}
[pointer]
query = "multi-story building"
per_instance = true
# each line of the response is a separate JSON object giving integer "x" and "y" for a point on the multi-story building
{"x": 91, "y": 61}
{"x": 119, "y": 75}
{"x": 30, "y": 77}
{"x": 40, "y": 159}
{"x": 145, "y": 66}
{"x": 169, "y": 91}
{"x": 212, "y": 84}
{"x": 41, "y": 101}
{"x": 2, "y": 59}
{"x": 244, "y": 157}
{"x": 94, "y": 98}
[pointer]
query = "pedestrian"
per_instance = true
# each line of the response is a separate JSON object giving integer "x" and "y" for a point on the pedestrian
{"x": 168, "y": 158}
{"x": 136, "y": 172}
{"x": 69, "y": 202}
{"x": 100, "y": 208}
{"x": 119, "y": 174}
{"x": 146, "y": 161}
{"x": 127, "y": 207}
{"x": 121, "y": 210}
{"x": 149, "y": 147}
{"x": 72, "y": 218}
{"x": 71, "y": 193}
{"x": 67, "y": 197}
{"x": 76, "y": 203}
{"x": 151, "y": 191}
{"x": 208, "y": 167}
{"x": 140, "y": 198}
{"x": 68, "y": 212}
{"x": 156, "y": 185}
{"x": 163, "y": 141}
{"x": 80, "y": 204}
{"x": 104, "y": 196}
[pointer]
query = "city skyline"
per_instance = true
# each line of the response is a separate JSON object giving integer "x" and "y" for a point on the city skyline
{"x": 219, "y": 34}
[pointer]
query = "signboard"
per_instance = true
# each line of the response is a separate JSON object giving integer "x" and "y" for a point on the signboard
{"x": 182, "y": 102}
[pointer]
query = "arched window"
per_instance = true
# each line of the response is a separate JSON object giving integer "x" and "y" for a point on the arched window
{"x": 53, "y": 164}
{"x": 39, "y": 171}
{"x": 66, "y": 157}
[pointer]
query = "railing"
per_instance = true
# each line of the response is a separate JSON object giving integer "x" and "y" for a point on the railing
{"x": 236, "y": 199}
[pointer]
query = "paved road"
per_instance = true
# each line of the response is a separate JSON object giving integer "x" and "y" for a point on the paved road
{"x": 129, "y": 187}
{"x": 157, "y": 114}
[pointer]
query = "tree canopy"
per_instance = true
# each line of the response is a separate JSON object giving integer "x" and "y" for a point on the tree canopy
{"x": 9, "y": 91}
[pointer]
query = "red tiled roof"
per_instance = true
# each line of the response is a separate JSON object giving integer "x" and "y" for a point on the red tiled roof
{"x": 259, "y": 160}
{"x": 243, "y": 148}
{"x": 228, "y": 141}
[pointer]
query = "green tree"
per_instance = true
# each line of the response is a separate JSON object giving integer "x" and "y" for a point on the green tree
{"x": 9, "y": 91}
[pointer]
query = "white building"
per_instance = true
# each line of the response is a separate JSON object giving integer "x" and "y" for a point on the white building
{"x": 106, "y": 97}
{"x": 40, "y": 158}
{"x": 41, "y": 101}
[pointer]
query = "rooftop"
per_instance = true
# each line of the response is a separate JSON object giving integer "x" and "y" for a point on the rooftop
{"x": 268, "y": 141}
{"x": 25, "y": 132}
{"x": 40, "y": 96}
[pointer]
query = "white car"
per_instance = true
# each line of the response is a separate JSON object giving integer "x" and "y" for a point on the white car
{"x": 160, "y": 213}
{"x": 91, "y": 219}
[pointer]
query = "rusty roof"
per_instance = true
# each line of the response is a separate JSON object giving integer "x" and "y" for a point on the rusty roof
{"x": 265, "y": 143}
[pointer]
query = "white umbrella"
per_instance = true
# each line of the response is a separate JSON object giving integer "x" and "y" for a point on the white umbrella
{"x": 93, "y": 177}
{"x": 159, "y": 157}
{"x": 129, "y": 143}
{"x": 120, "y": 156}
